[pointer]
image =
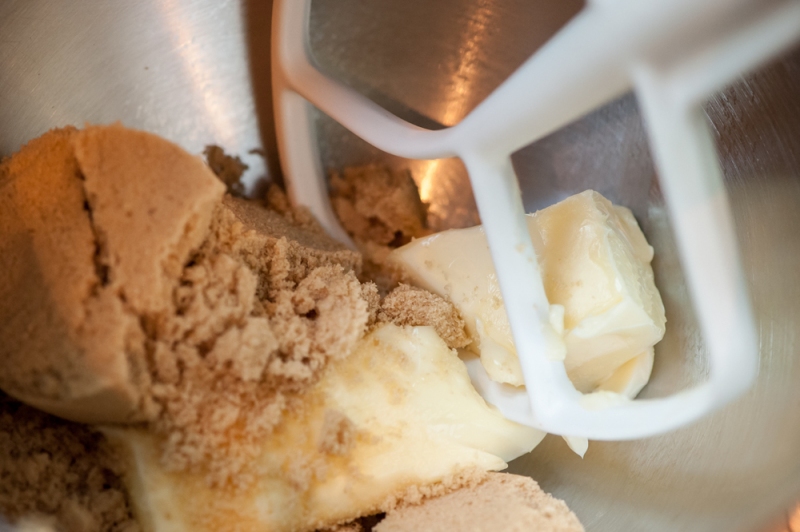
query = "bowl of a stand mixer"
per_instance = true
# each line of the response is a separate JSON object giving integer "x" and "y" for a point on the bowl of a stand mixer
{"x": 197, "y": 72}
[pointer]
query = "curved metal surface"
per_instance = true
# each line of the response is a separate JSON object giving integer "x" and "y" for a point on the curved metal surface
{"x": 197, "y": 72}
{"x": 177, "y": 68}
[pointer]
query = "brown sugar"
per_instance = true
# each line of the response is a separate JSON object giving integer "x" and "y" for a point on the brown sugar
{"x": 151, "y": 297}
{"x": 415, "y": 495}
{"x": 378, "y": 205}
{"x": 471, "y": 501}
{"x": 59, "y": 469}
{"x": 381, "y": 210}
{"x": 87, "y": 248}
{"x": 355, "y": 526}
{"x": 500, "y": 502}
{"x": 256, "y": 317}
{"x": 228, "y": 168}
{"x": 408, "y": 305}
{"x": 338, "y": 433}
{"x": 362, "y": 524}
{"x": 276, "y": 200}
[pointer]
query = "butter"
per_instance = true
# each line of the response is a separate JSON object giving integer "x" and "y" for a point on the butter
{"x": 595, "y": 264}
{"x": 631, "y": 377}
{"x": 412, "y": 418}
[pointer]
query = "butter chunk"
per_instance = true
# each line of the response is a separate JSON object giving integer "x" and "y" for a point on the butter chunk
{"x": 631, "y": 377}
{"x": 595, "y": 263}
{"x": 398, "y": 413}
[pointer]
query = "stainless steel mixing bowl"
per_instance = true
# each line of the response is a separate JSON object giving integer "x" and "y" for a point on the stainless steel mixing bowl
{"x": 197, "y": 72}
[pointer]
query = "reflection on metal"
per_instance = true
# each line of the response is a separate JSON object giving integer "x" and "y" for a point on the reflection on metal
{"x": 426, "y": 180}
{"x": 216, "y": 102}
{"x": 794, "y": 520}
{"x": 178, "y": 68}
{"x": 440, "y": 183}
{"x": 790, "y": 522}
{"x": 480, "y": 21}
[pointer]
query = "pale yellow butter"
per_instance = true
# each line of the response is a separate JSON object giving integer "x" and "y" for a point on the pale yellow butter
{"x": 595, "y": 263}
{"x": 415, "y": 419}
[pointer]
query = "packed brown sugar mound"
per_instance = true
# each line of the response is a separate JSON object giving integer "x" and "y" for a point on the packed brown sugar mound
{"x": 505, "y": 502}
{"x": 133, "y": 290}
{"x": 150, "y": 296}
{"x": 61, "y": 471}
{"x": 67, "y": 343}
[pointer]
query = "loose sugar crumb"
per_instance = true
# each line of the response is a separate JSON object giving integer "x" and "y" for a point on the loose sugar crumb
{"x": 62, "y": 472}
{"x": 378, "y": 205}
{"x": 381, "y": 210}
{"x": 408, "y": 305}
{"x": 255, "y": 318}
{"x": 277, "y": 200}
{"x": 229, "y": 169}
